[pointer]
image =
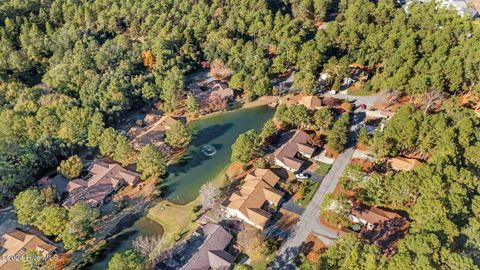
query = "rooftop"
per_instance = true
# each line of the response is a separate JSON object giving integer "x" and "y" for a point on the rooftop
{"x": 311, "y": 102}
{"x": 403, "y": 164}
{"x": 258, "y": 188}
{"x": 211, "y": 254}
{"x": 17, "y": 243}
{"x": 105, "y": 179}
{"x": 297, "y": 143}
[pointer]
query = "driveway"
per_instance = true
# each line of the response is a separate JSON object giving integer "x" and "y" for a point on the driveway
{"x": 8, "y": 220}
{"x": 367, "y": 100}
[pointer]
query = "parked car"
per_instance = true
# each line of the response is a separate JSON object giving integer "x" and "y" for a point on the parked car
{"x": 303, "y": 175}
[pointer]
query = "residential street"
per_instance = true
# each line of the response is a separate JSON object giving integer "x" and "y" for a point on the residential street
{"x": 310, "y": 219}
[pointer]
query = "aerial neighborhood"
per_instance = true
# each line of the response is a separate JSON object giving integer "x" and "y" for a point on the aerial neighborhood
{"x": 239, "y": 135}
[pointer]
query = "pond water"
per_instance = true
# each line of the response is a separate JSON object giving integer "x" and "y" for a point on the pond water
{"x": 208, "y": 155}
{"x": 127, "y": 230}
{"x": 210, "y": 150}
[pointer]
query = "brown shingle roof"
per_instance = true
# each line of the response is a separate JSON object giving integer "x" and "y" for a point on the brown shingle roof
{"x": 17, "y": 243}
{"x": 257, "y": 189}
{"x": 105, "y": 180}
{"x": 372, "y": 214}
{"x": 298, "y": 143}
{"x": 226, "y": 93}
{"x": 211, "y": 254}
{"x": 311, "y": 102}
{"x": 403, "y": 164}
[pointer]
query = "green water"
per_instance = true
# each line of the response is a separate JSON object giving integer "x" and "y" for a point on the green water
{"x": 196, "y": 168}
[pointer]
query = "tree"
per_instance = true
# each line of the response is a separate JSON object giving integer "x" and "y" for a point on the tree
{"x": 108, "y": 142}
{"x": 335, "y": 208}
{"x": 251, "y": 242}
{"x": 323, "y": 119}
{"x": 209, "y": 195}
{"x": 32, "y": 260}
{"x": 128, "y": 260}
{"x": 95, "y": 129}
{"x": 71, "y": 167}
{"x": 192, "y": 104}
{"x": 338, "y": 135}
{"x": 124, "y": 152}
{"x": 246, "y": 147}
{"x": 151, "y": 162}
{"x": 52, "y": 220}
{"x": 353, "y": 177}
{"x": 268, "y": 130}
{"x": 363, "y": 138}
{"x": 148, "y": 59}
{"x": 179, "y": 135}
{"x": 80, "y": 225}
{"x": 150, "y": 246}
{"x": 350, "y": 253}
{"x": 28, "y": 205}
{"x": 173, "y": 85}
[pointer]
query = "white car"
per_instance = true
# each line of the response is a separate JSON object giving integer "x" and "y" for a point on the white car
{"x": 302, "y": 175}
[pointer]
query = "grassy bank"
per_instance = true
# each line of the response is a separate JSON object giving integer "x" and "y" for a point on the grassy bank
{"x": 178, "y": 220}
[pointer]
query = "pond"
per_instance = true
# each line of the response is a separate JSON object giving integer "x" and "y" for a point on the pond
{"x": 210, "y": 150}
{"x": 208, "y": 155}
{"x": 127, "y": 230}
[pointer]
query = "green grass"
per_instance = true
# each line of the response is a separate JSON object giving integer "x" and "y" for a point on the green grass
{"x": 322, "y": 169}
{"x": 360, "y": 93}
{"x": 311, "y": 189}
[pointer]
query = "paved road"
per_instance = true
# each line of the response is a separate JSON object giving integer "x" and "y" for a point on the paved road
{"x": 310, "y": 219}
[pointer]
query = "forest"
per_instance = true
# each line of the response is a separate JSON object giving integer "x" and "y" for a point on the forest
{"x": 70, "y": 69}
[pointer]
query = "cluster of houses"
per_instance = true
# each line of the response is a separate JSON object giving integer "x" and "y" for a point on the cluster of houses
{"x": 462, "y": 7}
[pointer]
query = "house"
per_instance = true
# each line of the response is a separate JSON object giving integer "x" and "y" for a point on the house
{"x": 103, "y": 180}
{"x": 460, "y": 6}
{"x": 403, "y": 164}
{"x": 211, "y": 254}
{"x": 370, "y": 216}
{"x": 311, "y": 102}
{"x": 222, "y": 93}
{"x": 286, "y": 155}
{"x": 154, "y": 133}
{"x": 17, "y": 243}
{"x": 256, "y": 200}
{"x": 194, "y": 88}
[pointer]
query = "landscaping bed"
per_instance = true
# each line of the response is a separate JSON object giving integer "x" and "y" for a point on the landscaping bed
{"x": 306, "y": 191}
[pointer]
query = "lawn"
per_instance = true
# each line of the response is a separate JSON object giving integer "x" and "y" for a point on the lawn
{"x": 360, "y": 92}
{"x": 322, "y": 169}
{"x": 310, "y": 191}
{"x": 176, "y": 220}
